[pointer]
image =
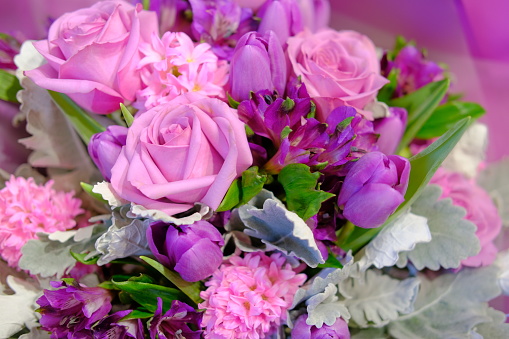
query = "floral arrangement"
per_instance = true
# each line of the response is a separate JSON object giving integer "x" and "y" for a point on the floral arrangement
{"x": 238, "y": 169}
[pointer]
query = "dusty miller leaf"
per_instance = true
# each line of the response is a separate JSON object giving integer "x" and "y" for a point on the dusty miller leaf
{"x": 496, "y": 328}
{"x": 375, "y": 299}
{"x": 494, "y": 180}
{"x": 49, "y": 258}
{"x": 452, "y": 237}
{"x": 400, "y": 235}
{"x": 450, "y": 306}
{"x": 325, "y": 308}
{"x": 368, "y": 333}
{"x": 283, "y": 229}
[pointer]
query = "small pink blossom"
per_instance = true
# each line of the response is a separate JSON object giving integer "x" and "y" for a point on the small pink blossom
{"x": 27, "y": 208}
{"x": 174, "y": 64}
{"x": 248, "y": 297}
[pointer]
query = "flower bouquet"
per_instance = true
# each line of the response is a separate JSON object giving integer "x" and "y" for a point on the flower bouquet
{"x": 238, "y": 169}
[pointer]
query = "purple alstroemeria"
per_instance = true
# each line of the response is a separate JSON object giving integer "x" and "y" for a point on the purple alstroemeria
{"x": 258, "y": 63}
{"x": 194, "y": 250}
{"x": 171, "y": 14}
{"x": 113, "y": 327}
{"x": 72, "y": 308}
{"x": 373, "y": 188}
{"x": 105, "y": 147}
{"x": 175, "y": 322}
{"x": 390, "y": 129}
{"x": 337, "y": 330}
{"x": 221, "y": 23}
{"x": 9, "y": 47}
{"x": 283, "y": 17}
{"x": 415, "y": 71}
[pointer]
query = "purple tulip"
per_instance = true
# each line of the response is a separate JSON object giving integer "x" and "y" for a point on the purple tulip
{"x": 113, "y": 327}
{"x": 373, "y": 188}
{"x": 338, "y": 330}
{"x": 391, "y": 129}
{"x": 72, "y": 308}
{"x": 258, "y": 63}
{"x": 175, "y": 322}
{"x": 283, "y": 17}
{"x": 105, "y": 147}
{"x": 194, "y": 250}
{"x": 315, "y": 14}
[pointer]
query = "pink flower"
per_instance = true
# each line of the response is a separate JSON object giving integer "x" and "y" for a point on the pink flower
{"x": 93, "y": 54}
{"x": 176, "y": 65}
{"x": 480, "y": 210}
{"x": 248, "y": 297}
{"x": 186, "y": 151}
{"x": 27, "y": 208}
{"x": 337, "y": 68}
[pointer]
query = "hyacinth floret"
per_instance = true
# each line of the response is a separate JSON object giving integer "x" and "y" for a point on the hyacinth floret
{"x": 27, "y": 208}
{"x": 248, "y": 297}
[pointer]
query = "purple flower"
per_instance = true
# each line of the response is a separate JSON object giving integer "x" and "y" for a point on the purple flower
{"x": 9, "y": 47}
{"x": 373, "y": 188}
{"x": 338, "y": 330}
{"x": 171, "y": 14}
{"x": 72, "y": 308}
{"x": 113, "y": 327}
{"x": 391, "y": 129}
{"x": 315, "y": 14}
{"x": 194, "y": 250}
{"x": 220, "y": 23}
{"x": 105, "y": 147}
{"x": 175, "y": 322}
{"x": 283, "y": 17}
{"x": 258, "y": 63}
{"x": 415, "y": 70}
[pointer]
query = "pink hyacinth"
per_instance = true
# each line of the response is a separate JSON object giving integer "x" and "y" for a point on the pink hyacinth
{"x": 248, "y": 297}
{"x": 174, "y": 65}
{"x": 27, "y": 208}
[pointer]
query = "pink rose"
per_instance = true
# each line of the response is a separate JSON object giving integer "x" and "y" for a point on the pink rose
{"x": 93, "y": 54}
{"x": 338, "y": 68}
{"x": 480, "y": 210}
{"x": 186, "y": 151}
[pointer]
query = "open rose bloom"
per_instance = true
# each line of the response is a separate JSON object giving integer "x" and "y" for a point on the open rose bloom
{"x": 239, "y": 169}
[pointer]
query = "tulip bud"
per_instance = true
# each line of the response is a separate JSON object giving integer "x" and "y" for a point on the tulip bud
{"x": 391, "y": 129}
{"x": 315, "y": 14}
{"x": 258, "y": 63}
{"x": 105, "y": 147}
{"x": 194, "y": 250}
{"x": 373, "y": 188}
{"x": 283, "y": 17}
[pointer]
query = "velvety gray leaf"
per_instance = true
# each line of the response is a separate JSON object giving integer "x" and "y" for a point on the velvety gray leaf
{"x": 325, "y": 308}
{"x": 375, "y": 299}
{"x": 369, "y": 333}
{"x": 283, "y": 229}
{"x": 496, "y": 328}
{"x": 494, "y": 180}
{"x": 452, "y": 237}
{"x": 450, "y": 306}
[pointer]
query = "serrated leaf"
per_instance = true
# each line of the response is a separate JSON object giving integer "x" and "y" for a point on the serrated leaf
{"x": 450, "y": 306}
{"x": 374, "y": 299}
{"x": 453, "y": 238}
{"x": 494, "y": 180}
{"x": 420, "y": 105}
{"x": 192, "y": 290}
{"x": 89, "y": 190}
{"x": 146, "y": 294}
{"x": 325, "y": 308}
{"x": 446, "y": 116}
{"x": 243, "y": 189}
{"x": 423, "y": 166}
{"x": 9, "y": 86}
{"x": 300, "y": 184}
{"x": 400, "y": 235}
{"x": 283, "y": 229}
{"x": 496, "y": 327}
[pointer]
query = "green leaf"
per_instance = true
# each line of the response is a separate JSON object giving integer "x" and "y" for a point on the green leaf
{"x": 9, "y": 86}
{"x": 331, "y": 261}
{"x": 300, "y": 184}
{"x": 80, "y": 257}
{"x": 84, "y": 124}
{"x": 445, "y": 116}
{"x": 385, "y": 94}
{"x": 128, "y": 117}
{"x": 88, "y": 188}
{"x": 139, "y": 313}
{"x": 420, "y": 105}
{"x": 146, "y": 294}
{"x": 233, "y": 103}
{"x": 423, "y": 166}
{"x": 192, "y": 290}
{"x": 243, "y": 189}
{"x": 146, "y": 4}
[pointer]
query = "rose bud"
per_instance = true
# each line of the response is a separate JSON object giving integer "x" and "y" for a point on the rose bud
{"x": 105, "y": 147}
{"x": 258, "y": 63}
{"x": 194, "y": 250}
{"x": 391, "y": 129}
{"x": 373, "y": 188}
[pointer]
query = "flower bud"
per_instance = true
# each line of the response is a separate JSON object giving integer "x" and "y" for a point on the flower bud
{"x": 105, "y": 147}
{"x": 283, "y": 17}
{"x": 391, "y": 129}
